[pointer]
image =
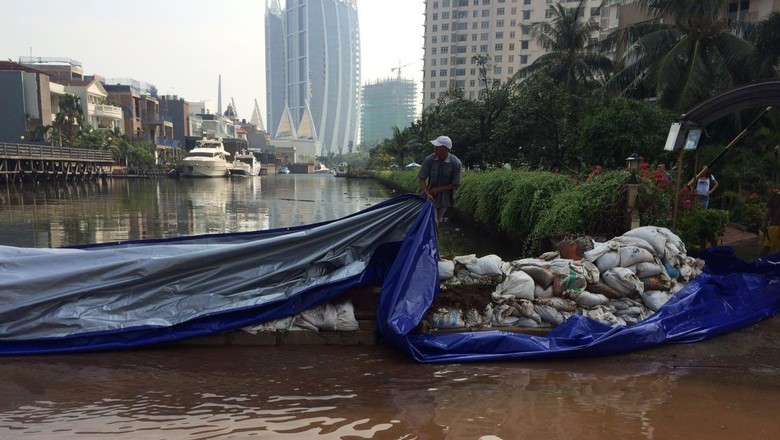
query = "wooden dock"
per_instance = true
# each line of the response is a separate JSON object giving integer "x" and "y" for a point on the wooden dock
{"x": 29, "y": 162}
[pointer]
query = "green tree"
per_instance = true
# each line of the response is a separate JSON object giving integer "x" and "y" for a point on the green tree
{"x": 686, "y": 54}
{"x": 570, "y": 59}
{"x": 69, "y": 118}
{"x": 622, "y": 127}
{"x": 765, "y": 35}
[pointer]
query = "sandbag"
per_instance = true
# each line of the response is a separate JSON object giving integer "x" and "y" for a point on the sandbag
{"x": 540, "y": 292}
{"x": 549, "y": 256}
{"x": 446, "y": 269}
{"x": 633, "y": 255}
{"x": 549, "y": 314}
{"x": 542, "y": 276}
{"x": 328, "y": 317}
{"x": 485, "y": 266}
{"x": 607, "y": 261}
{"x": 623, "y": 280}
{"x": 465, "y": 259}
{"x": 647, "y": 269}
{"x": 447, "y": 318}
{"x": 525, "y": 308}
{"x": 567, "y": 276}
{"x": 590, "y": 271}
{"x": 598, "y": 250}
{"x": 587, "y": 299}
{"x": 518, "y": 284}
{"x": 652, "y": 235}
{"x": 624, "y": 240}
{"x": 658, "y": 282}
{"x": 604, "y": 289}
{"x": 559, "y": 304}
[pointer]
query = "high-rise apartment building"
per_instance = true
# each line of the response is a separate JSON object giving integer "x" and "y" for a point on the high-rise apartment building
{"x": 313, "y": 68}
{"x": 457, "y": 30}
{"x": 386, "y": 103}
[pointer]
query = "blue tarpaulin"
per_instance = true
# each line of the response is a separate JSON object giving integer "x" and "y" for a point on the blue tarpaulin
{"x": 136, "y": 293}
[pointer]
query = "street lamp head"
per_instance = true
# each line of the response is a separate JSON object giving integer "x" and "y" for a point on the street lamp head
{"x": 633, "y": 165}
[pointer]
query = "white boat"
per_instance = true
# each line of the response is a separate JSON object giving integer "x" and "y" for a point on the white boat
{"x": 321, "y": 169}
{"x": 245, "y": 164}
{"x": 207, "y": 159}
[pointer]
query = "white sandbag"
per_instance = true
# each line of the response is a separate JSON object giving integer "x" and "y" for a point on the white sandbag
{"x": 607, "y": 261}
{"x": 623, "y": 280}
{"x": 588, "y": 300}
{"x": 540, "y": 292}
{"x": 518, "y": 284}
{"x": 590, "y": 271}
{"x": 446, "y": 269}
{"x": 559, "y": 304}
{"x": 629, "y": 311}
{"x": 487, "y": 265}
{"x": 467, "y": 278}
{"x": 655, "y": 299}
{"x": 472, "y": 318}
{"x": 328, "y": 317}
{"x": 672, "y": 238}
{"x": 624, "y": 240}
{"x": 525, "y": 308}
{"x": 604, "y": 315}
{"x": 447, "y": 318}
{"x": 549, "y": 314}
{"x": 542, "y": 276}
{"x": 517, "y": 264}
{"x": 652, "y": 235}
{"x": 506, "y": 268}
{"x": 647, "y": 269}
{"x": 465, "y": 259}
{"x": 598, "y": 250}
{"x": 549, "y": 256}
{"x": 632, "y": 255}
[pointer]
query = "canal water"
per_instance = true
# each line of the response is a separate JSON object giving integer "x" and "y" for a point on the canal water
{"x": 329, "y": 392}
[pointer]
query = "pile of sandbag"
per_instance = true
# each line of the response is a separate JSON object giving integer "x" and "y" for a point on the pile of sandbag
{"x": 618, "y": 282}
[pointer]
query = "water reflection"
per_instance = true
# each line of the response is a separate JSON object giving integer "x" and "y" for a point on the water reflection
{"x": 54, "y": 215}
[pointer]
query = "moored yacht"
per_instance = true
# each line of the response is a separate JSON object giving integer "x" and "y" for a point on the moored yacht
{"x": 245, "y": 164}
{"x": 207, "y": 159}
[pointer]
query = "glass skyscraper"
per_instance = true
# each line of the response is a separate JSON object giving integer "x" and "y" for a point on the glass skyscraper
{"x": 312, "y": 61}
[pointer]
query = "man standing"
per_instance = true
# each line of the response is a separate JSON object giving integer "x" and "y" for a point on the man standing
{"x": 442, "y": 172}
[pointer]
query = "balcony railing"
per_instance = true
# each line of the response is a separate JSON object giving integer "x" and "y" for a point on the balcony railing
{"x": 107, "y": 111}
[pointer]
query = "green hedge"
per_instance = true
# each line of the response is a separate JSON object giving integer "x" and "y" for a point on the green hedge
{"x": 537, "y": 205}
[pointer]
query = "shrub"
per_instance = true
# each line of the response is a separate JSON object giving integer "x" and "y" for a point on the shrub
{"x": 698, "y": 227}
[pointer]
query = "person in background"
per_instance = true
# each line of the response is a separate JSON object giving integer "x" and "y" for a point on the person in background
{"x": 772, "y": 225}
{"x": 705, "y": 185}
{"x": 439, "y": 176}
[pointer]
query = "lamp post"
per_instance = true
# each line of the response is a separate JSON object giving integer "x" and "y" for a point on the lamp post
{"x": 633, "y": 166}
{"x": 632, "y": 218}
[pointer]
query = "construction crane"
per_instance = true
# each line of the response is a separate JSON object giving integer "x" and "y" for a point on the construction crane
{"x": 400, "y": 66}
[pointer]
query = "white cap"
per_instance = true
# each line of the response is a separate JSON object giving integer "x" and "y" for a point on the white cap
{"x": 442, "y": 141}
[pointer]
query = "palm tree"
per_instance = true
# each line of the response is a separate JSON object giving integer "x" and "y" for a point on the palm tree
{"x": 398, "y": 145}
{"x": 69, "y": 116}
{"x": 570, "y": 59}
{"x": 765, "y": 35}
{"x": 686, "y": 54}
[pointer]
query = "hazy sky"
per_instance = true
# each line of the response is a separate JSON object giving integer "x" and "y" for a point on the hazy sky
{"x": 182, "y": 46}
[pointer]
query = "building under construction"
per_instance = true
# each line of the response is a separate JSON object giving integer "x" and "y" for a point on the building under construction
{"x": 386, "y": 103}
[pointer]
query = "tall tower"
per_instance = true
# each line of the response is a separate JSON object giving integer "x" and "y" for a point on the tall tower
{"x": 313, "y": 65}
{"x": 386, "y": 104}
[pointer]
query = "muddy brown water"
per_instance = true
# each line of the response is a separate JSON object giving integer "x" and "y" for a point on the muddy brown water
{"x": 724, "y": 388}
